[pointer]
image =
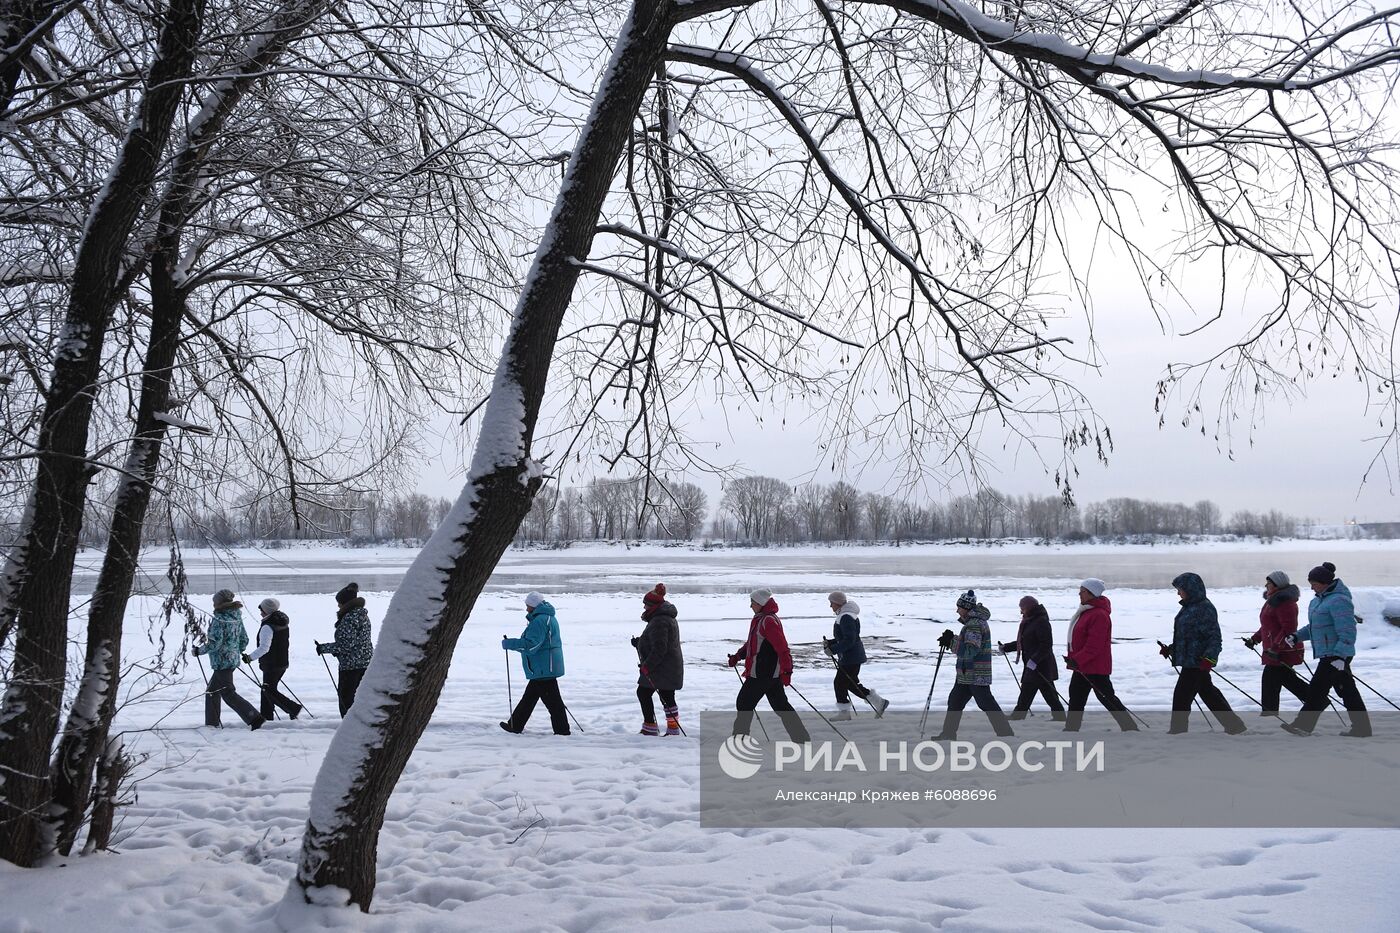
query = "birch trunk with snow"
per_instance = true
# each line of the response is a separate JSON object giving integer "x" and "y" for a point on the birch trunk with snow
{"x": 42, "y": 560}
{"x": 89, "y": 719}
{"x": 420, "y": 628}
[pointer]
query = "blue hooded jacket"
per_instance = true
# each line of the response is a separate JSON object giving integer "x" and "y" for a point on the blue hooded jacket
{"x": 1196, "y": 631}
{"x": 1331, "y": 623}
{"x": 227, "y": 639}
{"x": 845, "y": 640}
{"x": 541, "y": 649}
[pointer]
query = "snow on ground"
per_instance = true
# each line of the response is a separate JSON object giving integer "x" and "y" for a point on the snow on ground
{"x": 599, "y": 831}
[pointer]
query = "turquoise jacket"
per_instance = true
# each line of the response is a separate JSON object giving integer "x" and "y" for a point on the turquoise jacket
{"x": 541, "y": 649}
{"x": 1331, "y": 623}
{"x": 226, "y": 640}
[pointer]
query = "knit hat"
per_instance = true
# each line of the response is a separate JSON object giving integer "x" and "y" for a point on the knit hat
{"x": 269, "y": 605}
{"x": 350, "y": 592}
{"x": 837, "y": 598}
{"x": 967, "y": 600}
{"x": 533, "y": 599}
{"x": 1278, "y": 578}
{"x": 656, "y": 596}
{"x": 225, "y": 599}
{"x": 1324, "y": 573}
{"x": 1095, "y": 586}
{"x": 761, "y": 596}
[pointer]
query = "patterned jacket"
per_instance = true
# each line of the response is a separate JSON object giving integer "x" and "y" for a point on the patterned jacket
{"x": 1196, "y": 631}
{"x": 974, "y": 648}
{"x": 353, "y": 646}
{"x": 226, "y": 640}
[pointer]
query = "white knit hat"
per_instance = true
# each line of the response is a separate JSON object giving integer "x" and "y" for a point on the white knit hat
{"x": 1095, "y": 586}
{"x": 269, "y": 605}
{"x": 533, "y": 599}
{"x": 1278, "y": 578}
{"x": 761, "y": 596}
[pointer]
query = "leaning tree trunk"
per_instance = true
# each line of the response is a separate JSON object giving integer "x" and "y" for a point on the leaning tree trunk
{"x": 23, "y": 23}
{"x": 42, "y": 559}
{"x": 89, "y": 720}
{"x": 420, "y": 629}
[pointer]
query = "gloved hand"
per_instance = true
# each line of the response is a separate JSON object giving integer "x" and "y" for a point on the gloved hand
{"x": 247, "y": 660}
{"x": 1030, "y": 665}
{"x": 320, "y": 648}
{"x": 945, "y": 641}
{"x": 1071, "y": 663}
{"x": 826, "y": 647}
{"x": 505, "y": 644}
{"x": 1006, "y": 646}
{"x": 787, "y": 678}
{"x": 1339, "y": 664}
{"x": 635, "y": 641}
{"x": 1206, "y": 664}
{"x": 645, "y": 673}
{"x": 196, "y": 651}
{"x": 1165, "y": 651}
{"x": 734, "y": 660}
{"x": 1291, "y": 641}
{"x": 1251, "y": 640}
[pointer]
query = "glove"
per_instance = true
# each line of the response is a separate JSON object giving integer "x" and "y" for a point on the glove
{"x": 1291, "y": 641}
{"x": 1250, "y": 640}
{"x": 321, "y": 649}
{"x": 635, "y": 641}
{"x": 1071, "y": 663}
{"x": 787, "y": 678}
{"x": 1206, "y": 664}
{"x": 1339, "y": 664}
{"x": 1006, "y": 646}
{"x": 1165, "y": 651}
{"x": 196, "y": 651}
{"x": 1030, "y": 665}
{"x": 945, "y": 641}
{"x": 734, "y": 660}
{"x": 826, "y": 646}
{"x": 505, "y": 644}
{"x": 247, "y": 660}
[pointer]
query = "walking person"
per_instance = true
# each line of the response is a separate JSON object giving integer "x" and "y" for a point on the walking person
{"x": 1034, "y": 647}
{"x": 353, "y": 646}
{"x": 848, "y": 651}
{"x": 1278, "y": 618}
{"x": 542, "y": 656}
{"x": 973, "y": 650}
{"x": 767, "y": 668}
{"x": 660, "y": 664}
{"x": 224, "y": 646}
{"x": 272, "y": 656}
{"x": 1090, "y": 658}
{"x": 1332, "y": 630}
{"x": 1195, "y": 650}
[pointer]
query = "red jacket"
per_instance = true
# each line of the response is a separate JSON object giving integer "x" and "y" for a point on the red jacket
{"x": 1091, "y": 638}
{"x": 1277, "y": 618}
{"x": 767, "y": 627}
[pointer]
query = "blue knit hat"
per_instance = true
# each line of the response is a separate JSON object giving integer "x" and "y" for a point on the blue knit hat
{"x": 967, "y": 600}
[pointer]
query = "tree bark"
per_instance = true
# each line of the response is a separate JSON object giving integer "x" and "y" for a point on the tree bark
{"x": 420, "y": 629}
{"x": 42, "y": 559}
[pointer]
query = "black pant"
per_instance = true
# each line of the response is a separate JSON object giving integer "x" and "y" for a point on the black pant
{"x": 345, "y": 689}
{"x": 1326, "y": 679}
{"x": 1101, "y": 685}
{"x": 668, "y": 701}
{"x": 221, "y": 689}
{"x": 271, "y": 696}
{"x": 1033, "y": 682}
{"x": 772, "y": 688}
{"x": 1276, "y": 678}
{"x": 1192, "y": 682}
{"x": 848, "y": 682}
{"x": 545, "y": 689}
{"x": 957, "y": 702}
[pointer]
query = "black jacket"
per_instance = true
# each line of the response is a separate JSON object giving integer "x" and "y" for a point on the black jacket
{"x": 659, "y": 650}
{"x": 276, "y": 657}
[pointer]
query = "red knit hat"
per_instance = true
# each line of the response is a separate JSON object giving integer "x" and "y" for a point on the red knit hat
{"x": 656, "y": 596}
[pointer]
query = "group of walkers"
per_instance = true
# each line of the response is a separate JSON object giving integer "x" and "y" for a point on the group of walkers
{"x": 226, "y": 643}
{"x": 767, "y": 662}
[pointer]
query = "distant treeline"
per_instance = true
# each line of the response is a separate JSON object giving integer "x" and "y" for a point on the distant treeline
{"x": 757, "y": 510}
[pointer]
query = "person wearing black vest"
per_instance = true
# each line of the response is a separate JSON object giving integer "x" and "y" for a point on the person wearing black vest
{"x": 271, "y": 655}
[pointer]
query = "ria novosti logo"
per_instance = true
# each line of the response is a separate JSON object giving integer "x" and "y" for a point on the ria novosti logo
{"x": 740, "y": 757}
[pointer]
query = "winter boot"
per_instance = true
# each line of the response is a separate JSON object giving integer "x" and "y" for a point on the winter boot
{"x": 256, "y": 723}
{"x": 878, "y": 702}
{"x": 843, "y": 712}
{"x": 673, "y": 721}
{"x": 649, "y": 728}
{"x": 1360, "y": 725}
{"x": 1295, "y": 729}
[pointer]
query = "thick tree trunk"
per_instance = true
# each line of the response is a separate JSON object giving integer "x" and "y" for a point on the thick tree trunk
{"x": 420, "y": 629}
{"x": 42, "y": 560}
{"x": 20, "y": 29}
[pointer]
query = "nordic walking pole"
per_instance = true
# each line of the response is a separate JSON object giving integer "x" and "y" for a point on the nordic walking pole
{"x": 1233, "y": 684}
{"x": 1013, "y": 670}
{"x": 328, "y": 671}
{"x": 294, "y": 696}
{"x": 571, "y": 716}
{"x": 755, "y": 711}
{"x": 1143, "y": 722}
{"x": 1197, "y": 700}
{"x": 1330, "y": 705}
{"x": 929, "y": 702}
{"x": 1372, "y": 689}
{"x": 842, "y": 673}
{"x": 258, "y": 683}
{"x": 647, "y": 674}
{"x": 202, "y": 673}
{"x": 819, "y": 713}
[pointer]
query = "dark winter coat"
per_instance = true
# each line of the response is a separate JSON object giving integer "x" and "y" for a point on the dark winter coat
{"x": 353, "y": 646}
{"x": 541, "y": 647}
{"x": 766, "y": 653}
{"x": 277, "y": 656}
{"x": 1278, "y": 619}
{"x": 226, "y": 640}
{"x": 1196, "y": 631}
{"x": 1090, "y": 638}
{"x": 1331, "y": 623}
{"x": 1035, "y": 642}
{"x": 659, "y": 649}
{"x": 974, "y": 648}
{"x": 845, "y": 637}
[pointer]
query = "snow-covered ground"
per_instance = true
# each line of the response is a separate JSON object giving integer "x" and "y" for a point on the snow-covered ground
{"x": 599, "y": 830}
